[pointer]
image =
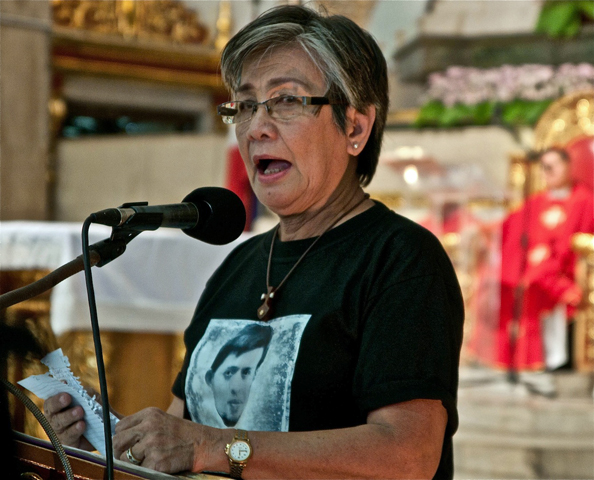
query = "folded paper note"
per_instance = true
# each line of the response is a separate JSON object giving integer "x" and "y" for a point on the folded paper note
{"x": 60, "y": 379}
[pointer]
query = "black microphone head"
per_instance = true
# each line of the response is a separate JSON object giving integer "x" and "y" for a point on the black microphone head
{"x": 221, "y": 215}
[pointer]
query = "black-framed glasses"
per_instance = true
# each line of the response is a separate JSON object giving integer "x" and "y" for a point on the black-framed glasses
{"x": 283, "y": 107}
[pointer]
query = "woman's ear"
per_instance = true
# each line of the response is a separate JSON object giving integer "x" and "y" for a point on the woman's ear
{"x": 358, "y": 128}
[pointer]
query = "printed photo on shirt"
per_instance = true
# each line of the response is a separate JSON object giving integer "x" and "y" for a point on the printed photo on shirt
{"x": 240, "y": 373}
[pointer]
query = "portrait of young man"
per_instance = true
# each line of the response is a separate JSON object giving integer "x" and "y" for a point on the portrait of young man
{"x": 239, "y": 375}
{"x": 233, "y": 370}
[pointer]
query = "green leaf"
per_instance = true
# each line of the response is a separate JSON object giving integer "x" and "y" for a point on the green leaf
{"x": 483, "y": 113}
{"x": 523, "y": 112}
{"x": 458, "y": 114}
{"x": 573, "y": 28}
{"x": 556, "y": 16}
{"x": 516, "y": 112}
{"x": 534, "y": 110}
{"x": 449, "y": 118}
{"x": 433, "y": 109}
{"x": 430, "y": 114}
{"x": 586, "y": 7}
{"x": 513, "y": 113}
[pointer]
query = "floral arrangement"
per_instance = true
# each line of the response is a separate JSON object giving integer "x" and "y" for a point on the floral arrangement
{"x": 509, "y": 95}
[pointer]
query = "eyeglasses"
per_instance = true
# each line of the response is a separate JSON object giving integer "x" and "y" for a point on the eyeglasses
{"x": 283, "y": 107}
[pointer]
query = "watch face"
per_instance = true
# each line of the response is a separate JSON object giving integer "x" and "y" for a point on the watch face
{"x": 240, "y": 451}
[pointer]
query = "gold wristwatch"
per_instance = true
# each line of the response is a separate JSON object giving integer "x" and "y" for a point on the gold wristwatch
{"x": 238, "y": 452}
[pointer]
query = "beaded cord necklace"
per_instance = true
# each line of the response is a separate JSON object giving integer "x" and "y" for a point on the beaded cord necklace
{"x": 265, "y": 310}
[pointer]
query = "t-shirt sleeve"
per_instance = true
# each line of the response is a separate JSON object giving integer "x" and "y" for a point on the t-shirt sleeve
{"x": 411, "y": 343}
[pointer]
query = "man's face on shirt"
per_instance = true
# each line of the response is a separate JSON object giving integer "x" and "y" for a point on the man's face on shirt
{"x": 231, "y": 384}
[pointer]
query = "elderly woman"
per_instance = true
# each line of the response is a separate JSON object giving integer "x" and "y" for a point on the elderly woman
{"x": 356, "y": 375}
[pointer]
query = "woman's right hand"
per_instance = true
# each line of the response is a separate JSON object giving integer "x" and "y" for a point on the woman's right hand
{"x": 67, "y": 421}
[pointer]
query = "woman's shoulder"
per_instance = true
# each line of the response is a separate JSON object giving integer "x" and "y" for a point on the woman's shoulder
{"x": 397, "y": 249}
{"x": 398, "y": 228}
{"x": 387, "y": 238}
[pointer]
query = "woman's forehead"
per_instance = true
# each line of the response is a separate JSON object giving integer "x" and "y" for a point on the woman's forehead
{"x": 278, "y": 66}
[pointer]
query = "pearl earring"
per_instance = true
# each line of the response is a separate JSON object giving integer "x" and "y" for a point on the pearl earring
{"x": 356, "y": 145}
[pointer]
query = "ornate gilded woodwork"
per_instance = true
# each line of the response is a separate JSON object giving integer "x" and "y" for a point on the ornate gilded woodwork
{"x": 524, "y": 179}
{"x": 57, "y": 110}
{"x": 570, "y": 117}
{"x": 79, "y": 347}
{"x": 583, "y": 245}
{"x": 92, "y": 54}
{"x": 140, "y": 366}
{"x": 33, "y": 315}
{"x": 167, "y": 20}
{"x": 153, "y": 40}
{"x": 223, "y": 25}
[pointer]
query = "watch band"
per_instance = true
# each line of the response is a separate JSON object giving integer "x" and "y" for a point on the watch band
{"x": 236, "y": 469}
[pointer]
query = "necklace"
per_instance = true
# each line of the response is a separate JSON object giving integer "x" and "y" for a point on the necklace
{"x": 265, "y": 310}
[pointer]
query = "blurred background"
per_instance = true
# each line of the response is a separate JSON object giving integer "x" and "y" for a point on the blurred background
{"x": 113, "y": 101}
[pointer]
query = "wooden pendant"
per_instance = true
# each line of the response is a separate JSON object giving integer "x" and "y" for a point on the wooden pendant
{"x": 265, "y": 310}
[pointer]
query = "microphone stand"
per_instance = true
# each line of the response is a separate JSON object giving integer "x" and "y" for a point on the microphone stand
{"x": 46, "y": 283}
{"x": 520, "y": 289}
{"x": 98, "y": 254}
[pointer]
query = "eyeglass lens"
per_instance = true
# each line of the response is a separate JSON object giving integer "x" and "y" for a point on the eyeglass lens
{"x": 283, "y": 107}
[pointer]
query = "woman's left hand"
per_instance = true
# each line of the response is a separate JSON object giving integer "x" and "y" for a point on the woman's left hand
{"x": 163, "y": 442}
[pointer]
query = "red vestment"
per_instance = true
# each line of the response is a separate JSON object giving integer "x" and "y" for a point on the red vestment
{"x": 545, "y": 267}
{"x": 238, "y": 182}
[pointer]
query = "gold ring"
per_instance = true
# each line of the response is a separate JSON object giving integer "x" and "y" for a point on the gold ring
{"x": 131, "y": 458}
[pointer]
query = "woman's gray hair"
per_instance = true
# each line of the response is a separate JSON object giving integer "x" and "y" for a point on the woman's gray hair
{"x": 352, "y": 63}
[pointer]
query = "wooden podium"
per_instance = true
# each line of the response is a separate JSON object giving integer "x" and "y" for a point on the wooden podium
{"x": 37, "y": 460}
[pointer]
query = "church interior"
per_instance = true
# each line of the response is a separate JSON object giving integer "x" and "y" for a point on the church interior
{"x": 108, "y": 102}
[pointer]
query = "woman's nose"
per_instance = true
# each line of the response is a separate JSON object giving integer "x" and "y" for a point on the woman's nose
{"x": 261, "y": 124}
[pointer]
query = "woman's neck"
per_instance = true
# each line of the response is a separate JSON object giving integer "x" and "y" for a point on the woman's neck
{"x": 313, "y": 223}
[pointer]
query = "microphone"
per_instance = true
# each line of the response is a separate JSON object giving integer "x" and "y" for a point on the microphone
{"x": 211, "y": 214}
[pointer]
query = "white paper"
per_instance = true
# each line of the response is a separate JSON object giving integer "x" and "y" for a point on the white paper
{"x": 60, "y": 379}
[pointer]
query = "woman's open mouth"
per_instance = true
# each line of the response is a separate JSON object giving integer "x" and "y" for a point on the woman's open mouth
{"x": 272, "y": 166}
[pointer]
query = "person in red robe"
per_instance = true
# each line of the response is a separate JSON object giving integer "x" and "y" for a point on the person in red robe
{"x": 537, "y": 272}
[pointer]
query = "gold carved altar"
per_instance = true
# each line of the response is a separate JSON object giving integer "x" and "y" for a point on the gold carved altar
{"x": 583, "y": 244}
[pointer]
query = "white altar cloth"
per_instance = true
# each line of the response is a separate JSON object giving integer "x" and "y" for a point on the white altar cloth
{"x": 154, "y": 286}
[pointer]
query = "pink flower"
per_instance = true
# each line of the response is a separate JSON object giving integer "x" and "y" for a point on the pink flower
{"x": 470, "y": 86}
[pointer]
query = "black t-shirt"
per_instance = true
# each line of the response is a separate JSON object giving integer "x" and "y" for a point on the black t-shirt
{"x": 372, "y": 316}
